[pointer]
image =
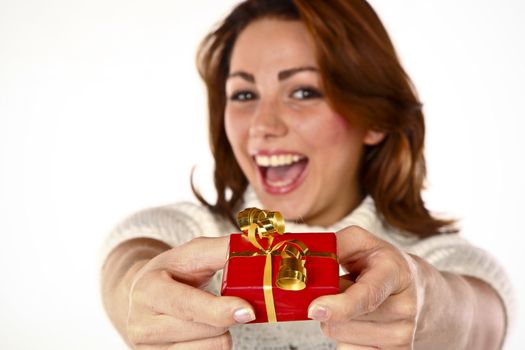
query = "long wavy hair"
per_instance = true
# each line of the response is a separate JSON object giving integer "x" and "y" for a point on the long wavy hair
{"x": 363, "y": 80}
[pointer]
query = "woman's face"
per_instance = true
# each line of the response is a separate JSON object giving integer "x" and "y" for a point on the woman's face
{"x": 299, "y": 155}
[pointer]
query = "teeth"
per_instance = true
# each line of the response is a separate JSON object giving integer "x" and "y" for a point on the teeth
{"x": 277, "y": 160}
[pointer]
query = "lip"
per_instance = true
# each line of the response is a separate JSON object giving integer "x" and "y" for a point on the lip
{"x": 281, "y": 190}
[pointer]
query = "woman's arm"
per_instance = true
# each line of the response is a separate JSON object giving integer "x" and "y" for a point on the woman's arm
{"x": 489, "y": 320}
{"x": 459, "y": 312}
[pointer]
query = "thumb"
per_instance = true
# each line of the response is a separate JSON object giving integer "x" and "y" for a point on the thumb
{"x": 354, "y": 242}
{"x": 196, "y": 261}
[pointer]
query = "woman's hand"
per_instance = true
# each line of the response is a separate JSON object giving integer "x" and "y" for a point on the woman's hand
{"x": 167, "y": 307}
{"x": 398, "y": 301}
{"x": 379, "y": 310}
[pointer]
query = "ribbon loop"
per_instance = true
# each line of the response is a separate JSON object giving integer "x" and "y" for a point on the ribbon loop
{"x": 247, "y": 217}
{"x": 268, "y": 223}
{"x": 292, "y": 273}
{"x": 274, "y": 222}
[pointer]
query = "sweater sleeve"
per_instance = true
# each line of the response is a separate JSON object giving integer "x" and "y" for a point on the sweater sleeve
{"x": 174, "y": 225}
{"x": 452, "y": 253}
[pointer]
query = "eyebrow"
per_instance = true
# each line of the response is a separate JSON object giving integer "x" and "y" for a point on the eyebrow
{"x": 282, "y": 75}
{"x": 246, "y": 76}
{"x": 287, "y": 73}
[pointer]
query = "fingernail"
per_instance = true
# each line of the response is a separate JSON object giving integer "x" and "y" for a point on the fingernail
{"x": 243, "y": 315}
{"x": 318, "y": 313}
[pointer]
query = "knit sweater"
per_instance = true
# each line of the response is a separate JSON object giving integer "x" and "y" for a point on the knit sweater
{"x": 178, "y": 223}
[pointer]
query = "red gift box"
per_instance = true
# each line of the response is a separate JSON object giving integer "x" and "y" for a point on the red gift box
{"x": 244, "y": 273}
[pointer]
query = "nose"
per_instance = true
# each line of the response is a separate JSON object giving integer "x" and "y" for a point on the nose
{"x": 268, "y": 120}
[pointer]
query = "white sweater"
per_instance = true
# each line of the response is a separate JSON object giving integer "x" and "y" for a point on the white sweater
{"x": 178, "y": 223}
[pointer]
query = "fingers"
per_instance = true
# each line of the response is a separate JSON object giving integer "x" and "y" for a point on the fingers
{"x": 194, "y": 262}
{"x": 393, "y": 335}
{"x": 364, "y": 296}
{"x": 167, "y": 308}
{"x": 380, "y": 269}
{"x": 353, "y": 242}
{"x": 397, "y": 307}
{"x": 343, "y": 346}
{"x": 163, "y": 329}
{"x": 162, "y": 295}
{"x": 222, "y": 342}
{"x": 361, "y": 316}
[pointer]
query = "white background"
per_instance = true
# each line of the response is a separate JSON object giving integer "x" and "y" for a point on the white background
{"x": 102, "y": 113}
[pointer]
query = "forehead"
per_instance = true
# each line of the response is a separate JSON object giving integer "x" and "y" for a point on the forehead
{"x": 274, "y": 43}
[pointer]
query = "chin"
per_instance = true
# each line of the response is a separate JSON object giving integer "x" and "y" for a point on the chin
{"x": 292, "y": 205}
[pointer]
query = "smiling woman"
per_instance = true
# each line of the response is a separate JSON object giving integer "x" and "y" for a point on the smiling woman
{"x": 364, "y": 92}
{"x": 311, "y": 114}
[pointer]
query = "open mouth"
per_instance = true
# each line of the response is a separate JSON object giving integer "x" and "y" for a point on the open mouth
{"x": 281, "y": 173}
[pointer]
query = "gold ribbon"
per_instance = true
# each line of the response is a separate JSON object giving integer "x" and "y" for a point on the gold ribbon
{"x": 267, "y": 225}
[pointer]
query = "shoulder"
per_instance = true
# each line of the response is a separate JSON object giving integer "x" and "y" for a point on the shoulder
{"x": 173, "y": 224}
{"x": 196, "y": 217}
{"x": 192, "y": 218}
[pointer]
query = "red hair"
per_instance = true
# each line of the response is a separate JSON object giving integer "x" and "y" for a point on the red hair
{"x": 363, "y": 81}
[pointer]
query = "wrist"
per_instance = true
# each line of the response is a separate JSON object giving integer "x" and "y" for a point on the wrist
{"x": 447, "y": 311}
{"x": 118, "y": 274}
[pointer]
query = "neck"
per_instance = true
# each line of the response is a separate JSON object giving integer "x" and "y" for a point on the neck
{"x": 330, "y": 216}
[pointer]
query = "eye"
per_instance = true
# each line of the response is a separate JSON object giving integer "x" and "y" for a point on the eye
{"x": 243, "y": 96}
{"x": 306, "y": 93}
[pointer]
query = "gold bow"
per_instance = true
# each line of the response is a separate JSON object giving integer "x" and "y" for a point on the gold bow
{"x": 264, "y": 224}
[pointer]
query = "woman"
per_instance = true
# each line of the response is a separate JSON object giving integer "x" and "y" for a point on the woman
{"x": 311, "y": 114}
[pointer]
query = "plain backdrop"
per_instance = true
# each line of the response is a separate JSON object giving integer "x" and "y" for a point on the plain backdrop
{"x": 102, "y": 113}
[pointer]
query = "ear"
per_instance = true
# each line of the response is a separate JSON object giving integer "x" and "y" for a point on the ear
{"x": 373, "y": 137}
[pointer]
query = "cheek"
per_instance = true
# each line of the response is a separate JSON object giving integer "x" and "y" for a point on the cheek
{"x": 328, "y": 132}
{"x": 339, "y": 131}
{"x": 234, "y": 129}
{"x": 237, "y": 130}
